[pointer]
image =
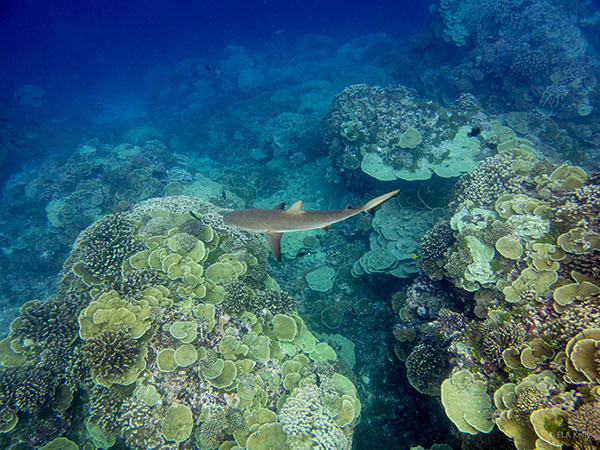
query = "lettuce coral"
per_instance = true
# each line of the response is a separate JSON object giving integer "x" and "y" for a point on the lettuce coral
{"x": 466, "y": 402}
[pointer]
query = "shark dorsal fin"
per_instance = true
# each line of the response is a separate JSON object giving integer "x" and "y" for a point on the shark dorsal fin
{"x": 280, "y": 206}
{"x": 296, "y": 207}
{"x": 275, "y": 244}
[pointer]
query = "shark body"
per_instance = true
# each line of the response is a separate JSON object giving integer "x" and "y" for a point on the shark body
{"x": 275, "y": 222}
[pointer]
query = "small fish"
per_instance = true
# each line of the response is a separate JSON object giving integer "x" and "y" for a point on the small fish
{"x": 302, "y": 253}
{"x": 414, "y": 256}
{"x": 223, "y": 194}
{"x": 207, "y": 68}
{"x": 4, "y": 119}
{"x": 474, "y": 132}
{"x": 195, "y": 216}
{"x": 317, "y": 379}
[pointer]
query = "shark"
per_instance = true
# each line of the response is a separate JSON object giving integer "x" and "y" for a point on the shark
{"x": 274, "y": 223}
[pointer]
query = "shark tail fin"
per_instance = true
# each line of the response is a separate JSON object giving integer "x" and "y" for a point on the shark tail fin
{"x": 375, "y": 202}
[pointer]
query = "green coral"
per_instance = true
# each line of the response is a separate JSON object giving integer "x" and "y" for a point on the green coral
{"x": 532, "y": 281}
{"x": 321, "y": 279}
{"x": 184, "y": 331}
{"x": 466, "y": 402}
{"x": 185, "y": 355}
{"x": 226, "y": 376}
{"x": 322, "y": 352}
{"x": 509, "y": 247}
{"x": 394, "y": 241}
{"x": 60, "y": 443}
{"x": 284, "y": 327}
{"x": 269, "y": 435}
{"x": 113, "y": 313}
{"x": 165, "y": 360}
{"x": 148, "y": 394}
{"x": 178, "y": 423}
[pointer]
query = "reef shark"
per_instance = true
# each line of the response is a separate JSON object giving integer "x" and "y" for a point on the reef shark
{"x": 277, "y": 221}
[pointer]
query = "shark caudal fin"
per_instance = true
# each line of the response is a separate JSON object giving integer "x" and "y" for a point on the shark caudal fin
{"x": 373, "y": 203}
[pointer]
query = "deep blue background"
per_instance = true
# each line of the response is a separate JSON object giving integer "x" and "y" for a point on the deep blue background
{"x": 99, "y": 44}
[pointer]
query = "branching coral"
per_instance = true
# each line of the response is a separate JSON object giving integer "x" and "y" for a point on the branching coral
{"x": 426, "y": 368}
{"x": 276, "y": 301}
{"x": 582, "y": 207}
{"x": 237, "y": 296}
{"x": 580, "y": 316}
{"x": 47, "y": 323}
{"x": 139, "y": 426}
{"x": 527, "y": 401}
{"x": 105, "y": 407}
{"x": 101, "y": 249}
{"x": 217, "y": 423}
{"x": 112, "y": 357}
{"x": 436, "y": 241}
{"x": 457, "y": 264}
{"x": 586, "y": 421}
{"x": 133, "y": 283}
{"x": 497, "y": 337}
{"x": 26, "y": 389}
{"x": 305, "y": 420}
{"x": 489, "y": 181}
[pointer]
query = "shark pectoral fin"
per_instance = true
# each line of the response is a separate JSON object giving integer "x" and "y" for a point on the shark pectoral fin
{"x": 296, "y": 207}
{"x": 325, "y": 228}
{"x": 275, "y": 244}
{"x": 280, "y": 206}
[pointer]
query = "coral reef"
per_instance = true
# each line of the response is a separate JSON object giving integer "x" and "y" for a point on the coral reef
{"x": 389, "y": 133}
{"x": 504, "y": 287}
{"x": 175, "y": 337}
{"x": 520, "y": 250}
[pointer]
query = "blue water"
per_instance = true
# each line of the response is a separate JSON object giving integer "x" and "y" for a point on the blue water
{"x": 247, "y": 103}
{"x": 92, "y": 55}
{"x": 82, "y": 48}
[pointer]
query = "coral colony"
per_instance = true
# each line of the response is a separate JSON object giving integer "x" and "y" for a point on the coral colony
{"x": 463, "y": 313}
